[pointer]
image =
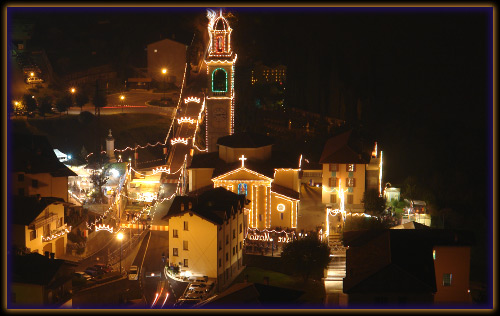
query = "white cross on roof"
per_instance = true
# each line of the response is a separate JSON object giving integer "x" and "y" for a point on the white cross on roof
{"x": 242, "y": 161}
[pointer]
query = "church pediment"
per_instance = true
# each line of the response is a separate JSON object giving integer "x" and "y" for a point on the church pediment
{"x": 242, "y": 173}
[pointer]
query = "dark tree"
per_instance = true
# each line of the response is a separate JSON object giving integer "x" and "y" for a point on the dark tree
{"x": 61, "y": 105}
{"x": 29, "y": 102}
{"x": 374, "y": 204}
{"x": 99, "y": 99}
{"x": 45, "y": 105}
{"x": 307, "y": 256}
{"x": 99, "y": 178}
{"x": 81, "y": 99}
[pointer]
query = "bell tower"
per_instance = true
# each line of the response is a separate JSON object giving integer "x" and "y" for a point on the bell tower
{"x": 220, "y": 59}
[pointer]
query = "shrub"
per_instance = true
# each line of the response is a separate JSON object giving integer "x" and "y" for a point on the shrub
{"x": 85, "y": 117}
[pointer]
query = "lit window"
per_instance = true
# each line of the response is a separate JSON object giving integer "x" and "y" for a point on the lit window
{"x": 242, "y": 188}
{"x": 447, "y": 279}
{"x": 175, "y": 252}
{"x": 434, "y": 254}
{"x": 350, "y": 182}
{"x": 351, "y": 167}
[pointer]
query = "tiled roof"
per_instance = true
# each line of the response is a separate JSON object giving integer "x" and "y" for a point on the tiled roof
{"x": 344, "y": 148}
{"x": 210, "y": 205}
{"x": 415, "y": 262}
{"x": 26, "y": 209}
{"x": 285, "y": 191}
{"x": 34, "y": 154}
{"x": 245, "y": 140}
{"x": 34, "y": 268}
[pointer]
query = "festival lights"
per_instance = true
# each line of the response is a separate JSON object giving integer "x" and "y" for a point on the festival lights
{"x": 192, "y": 99}
{"x": 103, "y": 227}
{"x": 186, "y": 120}
{"x": 57, "y": 235}
{"x": 176, "y": 140}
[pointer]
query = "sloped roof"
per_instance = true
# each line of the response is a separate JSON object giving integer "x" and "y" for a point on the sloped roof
{"x": 415, "y": 261}
{"x": 285, "y": 191}
{"x": 27, "y": 208}
{"x": 260, "y": 167}
{"x": 34, "y": 268}
{"x": 34, "y": 154}
{"x": 212, "y": 205}
{"x": 245, "y": 140}
{"x": 344, "y": 148}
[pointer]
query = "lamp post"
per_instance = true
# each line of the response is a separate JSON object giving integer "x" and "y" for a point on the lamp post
{"x": 122, "y": 97}
{"x": 164, "y": 72}
{"x": 72, "y": 90}
{"x": 120, "y": 238}
{"x": 31, "y": 76}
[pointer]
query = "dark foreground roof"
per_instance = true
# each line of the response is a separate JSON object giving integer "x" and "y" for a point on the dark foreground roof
{"x": 34, "y": 154}
{"x": 245, "y": 140}
{"x": 213, "y": 205}
{"x": 34, "y": 268}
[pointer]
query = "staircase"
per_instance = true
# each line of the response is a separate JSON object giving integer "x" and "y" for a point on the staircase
{"x": 336, "y": 269}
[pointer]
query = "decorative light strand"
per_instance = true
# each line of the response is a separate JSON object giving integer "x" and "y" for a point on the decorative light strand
{"x": 177, "y": 140}
{"x": 192, "y": 99}
{"x": 59, "y": 234}
{"x": 186, "y": 120}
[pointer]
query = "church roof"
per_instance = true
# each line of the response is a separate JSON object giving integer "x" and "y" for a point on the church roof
{"x": 245, "y": 140}
{"x": 344, "y": 148}
{"x": 34, "y": 154}
{"x": 263, "y": 168}
{"x": 285, "y": 191}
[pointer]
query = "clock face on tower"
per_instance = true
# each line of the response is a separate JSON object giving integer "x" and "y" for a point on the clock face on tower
{"x": 220, "y": 116}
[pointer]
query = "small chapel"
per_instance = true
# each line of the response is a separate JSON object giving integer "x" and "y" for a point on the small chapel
{"x": 246, "y": 164}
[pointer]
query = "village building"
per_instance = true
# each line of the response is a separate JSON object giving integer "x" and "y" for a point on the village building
{"x": 206, "y": 234}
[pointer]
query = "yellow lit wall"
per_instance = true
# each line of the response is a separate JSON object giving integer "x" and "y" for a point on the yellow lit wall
{"x": 288, "y": 179}
{"x": 276, "y": 215}
{"x": 28, "y": 293}
{"x": 202, "y": 244}
{"x": 199, "y": 178}
{"x": 58, "y": 245}
{"x": 48, "y": 186}
{"x": 342, "y": 174}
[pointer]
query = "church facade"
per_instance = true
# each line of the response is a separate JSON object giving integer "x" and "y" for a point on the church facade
{"x": 244, "y": 165}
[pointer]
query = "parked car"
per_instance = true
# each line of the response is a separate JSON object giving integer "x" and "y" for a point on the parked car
{"x": 195, "y": 286}
{"x": 103, "y": 267}
{"x": 93, "y": 271}
{"x": 133, "y": 273}
{"x": 196, "y": 294}
{"x": 80, "y": 275}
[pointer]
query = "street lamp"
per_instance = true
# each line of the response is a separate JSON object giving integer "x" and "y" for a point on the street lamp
{"x": 164, "y": 72}
{"x": 122, "y": 97}
{"x": 31, "y": 76}
{"x": 72, "y": 90}
{"x": 120, "y": 238}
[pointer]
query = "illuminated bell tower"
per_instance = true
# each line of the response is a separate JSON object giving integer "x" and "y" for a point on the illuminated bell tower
{"x": 220, "y": 59}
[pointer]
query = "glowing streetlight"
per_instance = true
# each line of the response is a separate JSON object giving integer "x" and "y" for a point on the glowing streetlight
{"x": 119, "y": 236}
{"x": 122, "y": 97}
{"x": 72, "y": 90}
{"x": 164, "y": 72}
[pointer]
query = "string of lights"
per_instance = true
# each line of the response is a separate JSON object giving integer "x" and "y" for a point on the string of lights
{"x": 57, "y": 235}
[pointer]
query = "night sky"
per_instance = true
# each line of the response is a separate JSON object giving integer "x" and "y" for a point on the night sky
{"x": 422, "y": 75}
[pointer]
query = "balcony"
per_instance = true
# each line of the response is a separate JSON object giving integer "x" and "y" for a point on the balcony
{"x": 219, "y": 94}
{"x": 42, "y": 221}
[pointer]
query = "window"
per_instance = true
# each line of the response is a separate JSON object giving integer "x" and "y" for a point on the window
{"x": 175, "y": 233}
{"x": 447, "y": 279}
{"x": 220, "y": 262}
{"x": 20, "y": 177}
{"x": 281, "y": 214}
{"x": 260, "y": 217}
{"x": 33, "y": 234}
{"x": 434, "y": 254}
{"x": 241, "y": 228}
{"x": 185, "y": 245}
{"x": 46, "y": 230}
{"x": 234, "y": 251}
{"x": 175, "y": 252}
{"x": 350, "y": 167}
{"x": 227, "y": 239}
{"x": 186, "y": 225}
{"x": 220, "y": 245}
{"x": 186, "y": 263}
{"x": 227, "y": 256}
{"x": 333, "y": 198}
{"x": 21, "y": 191}
{"x": 350, "y": 199}
{"x": 242, "y": 188}
{"x": 334, "y": 167}
{"x": 350, "y": 182}
{"x": 220, "y": 44}
{"x": 59, "y": 222}
{"x": 234, "y": 233}
{"x": 241, "y": 245}
{"x": 333, "y": 182}
{"x": 34, "y": 183}
{"x": 219, "y": 80}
